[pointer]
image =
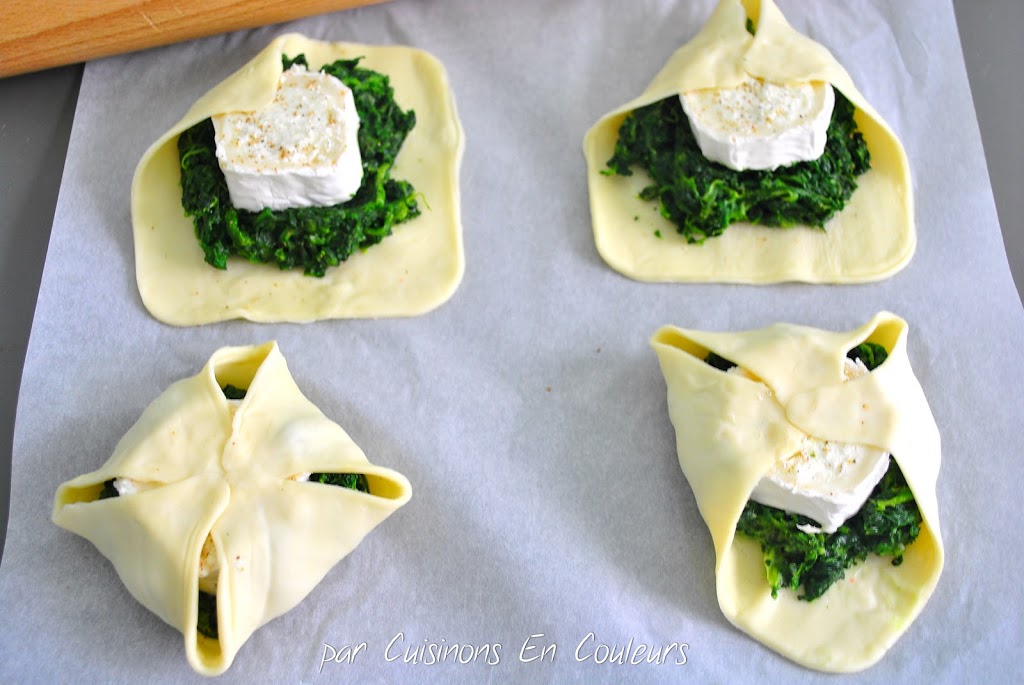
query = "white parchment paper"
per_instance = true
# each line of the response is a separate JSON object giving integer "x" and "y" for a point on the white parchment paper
{"x": 528, "y": 412}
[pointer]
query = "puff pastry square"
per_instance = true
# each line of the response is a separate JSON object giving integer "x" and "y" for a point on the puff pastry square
{"x": 227, "y": 470}
{"x": 729, "y": 432}
{"x": 872, "y": 238}
{"x": 412, "y": 271}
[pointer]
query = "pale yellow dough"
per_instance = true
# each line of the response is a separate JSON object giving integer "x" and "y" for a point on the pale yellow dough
{"x": 872, "y": 238}
{"x": 730, "y": 430}
{"x": 226, "y": 470}
{"x": 412, "y": 271}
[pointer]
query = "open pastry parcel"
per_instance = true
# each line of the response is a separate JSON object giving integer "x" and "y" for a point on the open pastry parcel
{"x": 872, "y": 238}
{"x": 411, "y": 272}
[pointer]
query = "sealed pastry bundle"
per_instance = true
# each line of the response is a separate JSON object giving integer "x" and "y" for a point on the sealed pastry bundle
{"x": 228, "y": 501}
{"x": 797, "y": 411}
{"x": 406, "y": 260}
{"x": 747, "y": 51}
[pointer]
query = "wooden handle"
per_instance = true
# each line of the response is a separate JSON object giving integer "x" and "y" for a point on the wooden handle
{"x": 39, "y": 34}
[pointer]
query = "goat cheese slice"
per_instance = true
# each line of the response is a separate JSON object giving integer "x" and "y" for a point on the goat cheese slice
{"x": 209, "y": 567}
{"x": 824, "y": 480}
{"x": 302, "y": 150}
{"x": 127, "y": 486}
{"x": 760, "y": 125}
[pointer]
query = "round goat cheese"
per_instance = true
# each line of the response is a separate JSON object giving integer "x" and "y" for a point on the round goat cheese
{"x": 302, "y": 150}
{"x": 760, "y": 125}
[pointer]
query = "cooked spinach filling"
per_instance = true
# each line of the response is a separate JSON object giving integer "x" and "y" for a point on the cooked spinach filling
{"x": 206, "y": 624}
{"x": 108, "y": 490}
{"x": 352, "y": 481}
{"x": 703, "y": 197}
{"x": 233, "y": 393}
{"x": 885, "y": 525}
{"x": 869, "y": 353}
{"x": 313, "y": 238}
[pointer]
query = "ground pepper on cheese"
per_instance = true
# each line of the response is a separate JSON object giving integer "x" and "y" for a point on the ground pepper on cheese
{"x": 301, "y": 150}
{"x": 759, "y": 124}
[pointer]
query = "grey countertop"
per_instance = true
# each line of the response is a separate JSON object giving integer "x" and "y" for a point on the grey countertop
{"x": 37, "y": 111}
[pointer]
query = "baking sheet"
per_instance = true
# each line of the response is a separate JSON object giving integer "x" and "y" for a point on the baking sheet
{"x": 529, "y": 412}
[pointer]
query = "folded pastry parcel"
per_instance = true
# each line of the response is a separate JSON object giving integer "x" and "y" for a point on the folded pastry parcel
{"x": 747, "y": 49}
{"x": 221, "y": 514}
{"x": 813, "y": 458}
{"x": 412, "y": 270}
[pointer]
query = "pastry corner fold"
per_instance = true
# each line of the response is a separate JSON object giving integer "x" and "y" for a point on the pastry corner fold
{"x": 224, "y": 485}
{"x": 729, "y": 431}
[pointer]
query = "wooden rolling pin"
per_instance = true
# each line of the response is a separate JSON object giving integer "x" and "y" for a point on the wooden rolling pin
{"x": 39, "y": 34}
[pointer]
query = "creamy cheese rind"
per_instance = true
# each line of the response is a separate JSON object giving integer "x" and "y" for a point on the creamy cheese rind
{"x": 223, "y": 512}
{"x": 871, "y": 239}
{"x": 729, "y": 433}
{"x": 413, "y": 271}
